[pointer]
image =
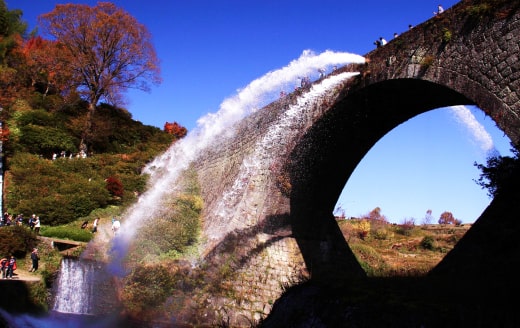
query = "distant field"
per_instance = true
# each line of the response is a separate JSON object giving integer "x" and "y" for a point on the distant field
{"x": 397, "y": 250}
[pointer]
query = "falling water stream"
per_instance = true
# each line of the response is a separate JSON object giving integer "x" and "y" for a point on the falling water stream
{"x": 75, "y": 275}
{"x": 77, "y": 292}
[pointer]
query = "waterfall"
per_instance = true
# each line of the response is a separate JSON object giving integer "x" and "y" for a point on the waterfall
{"x": 75, "y": 287}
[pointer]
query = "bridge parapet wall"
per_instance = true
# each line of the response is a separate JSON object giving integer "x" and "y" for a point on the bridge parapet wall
{"x": 471, "y": 52}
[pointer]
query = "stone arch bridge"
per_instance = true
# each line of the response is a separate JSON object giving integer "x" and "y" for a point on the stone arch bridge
{"x": 275, "y": 220}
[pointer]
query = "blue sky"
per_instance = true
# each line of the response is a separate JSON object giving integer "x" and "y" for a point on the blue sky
{"x": 210, "y": 49}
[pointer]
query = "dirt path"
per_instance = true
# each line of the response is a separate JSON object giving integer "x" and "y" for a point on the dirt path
{"x": 98, "y": 248}
{"x": 24, "y": 275}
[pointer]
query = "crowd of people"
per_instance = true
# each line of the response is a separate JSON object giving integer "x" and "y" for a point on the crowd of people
{"x": 382, "y": 41}
{"x": 116, "y": 224}
{"x": 11, "y": 219}
{"x": 8, "y": 264}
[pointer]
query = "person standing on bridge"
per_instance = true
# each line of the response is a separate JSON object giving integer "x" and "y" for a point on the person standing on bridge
{"x": 439, "y": 11}
{"x": 34, "y": 258}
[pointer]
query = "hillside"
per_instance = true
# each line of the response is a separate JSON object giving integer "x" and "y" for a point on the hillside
{"x": 392, "y": 250}
{"x": 47, "y": 174}
{"x": 396, "y": 293}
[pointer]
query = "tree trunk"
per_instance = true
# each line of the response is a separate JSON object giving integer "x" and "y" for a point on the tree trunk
{"x": 87, "y": 131}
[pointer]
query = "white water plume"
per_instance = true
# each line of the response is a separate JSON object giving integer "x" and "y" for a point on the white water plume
{"x": 477, "y": 130}
{"x": 165, "y": 169}
{"x": 271, "y": 146}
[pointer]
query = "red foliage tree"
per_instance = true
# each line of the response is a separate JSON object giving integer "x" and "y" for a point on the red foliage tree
{"x": 447, "y": 218}
{"x": 114, "y": 186}
{"x": 107, "y": 50}
{"x": 45, "y": 62}
{"x": 176, "y": 129}
{"x": 375, "y": 215}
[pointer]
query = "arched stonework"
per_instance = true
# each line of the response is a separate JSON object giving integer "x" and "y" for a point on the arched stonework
{"x": 456, "y": 58}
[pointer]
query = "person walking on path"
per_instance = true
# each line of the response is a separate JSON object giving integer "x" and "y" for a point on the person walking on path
{"x": 94, "y": 225}
{"x": 35, "y": 258}
{"x": 3, "y": 265}
{"x": 115, "y": 226}
{"x": 11, "y": 266}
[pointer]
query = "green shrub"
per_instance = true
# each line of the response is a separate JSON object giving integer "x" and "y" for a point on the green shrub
{"x": 16, "y": 241}
{"x": 479, "y": 10}
{"x": 406, "y": 228}
{"x": 426, "y": 62}
{"x": 428, "y": 243}
{"x": 149, "y": 286}
{"x": 176, "y": 226}
{"x": 382, "y": 234}
{"x": 369, "y": 259}
{"x": 67, "y": 232}
{"x": 446, "y": 35}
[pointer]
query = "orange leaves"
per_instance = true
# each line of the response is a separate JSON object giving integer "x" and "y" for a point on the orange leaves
{"x": 176, "y": 129}
{"x": 46, "y": 64}
{"x": 447, "y": 218}
{"x": 109, "y": 51}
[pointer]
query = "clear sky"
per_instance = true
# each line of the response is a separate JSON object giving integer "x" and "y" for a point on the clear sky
{"x": 210, "y": 49}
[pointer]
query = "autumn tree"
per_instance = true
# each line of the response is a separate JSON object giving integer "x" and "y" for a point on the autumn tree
{"x": 447, "y": 218}
{"x": 114, "y": 186}
{"x": 375, "y": 215}
{"x": 45, "y": 66}
{"x": 11, "y": 27}
{"x": 106, "y": 51}
{"x": 175, "y": 129}
{"x": 12, "y": 31}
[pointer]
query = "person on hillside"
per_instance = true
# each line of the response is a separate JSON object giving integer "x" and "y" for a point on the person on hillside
{"x": 115, "y": 226}
{"x": 3, "y": 266}
{"x": 11, "y": 267}
{"x": 34, "y": 258}
{"x": 19, "y": 220}
{"x": 382, "y": 40}
{"x": 94, "y": 225}
{"x": 37, "y": 225}
{"x": 31, "y": 221}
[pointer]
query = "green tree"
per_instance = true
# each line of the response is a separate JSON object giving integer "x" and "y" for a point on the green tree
{"x": 12, "y": 31}
{"x": 501, "y": 173}
{"x": 105, "y": 49}
{"x": 11, "y": 25}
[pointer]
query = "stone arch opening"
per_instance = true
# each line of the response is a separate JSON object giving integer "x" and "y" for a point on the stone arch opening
{"x": 328, "y": 153}
{"x": 406, "y": 172}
